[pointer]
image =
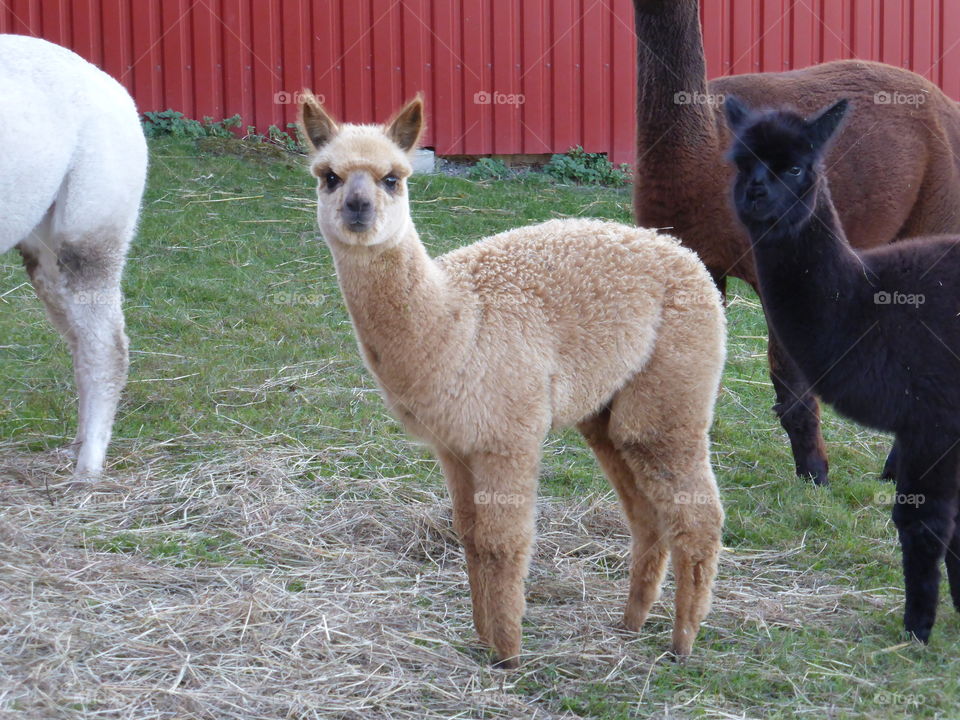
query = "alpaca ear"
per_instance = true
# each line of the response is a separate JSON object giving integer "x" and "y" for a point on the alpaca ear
{"x": 736, "y": 112}
{"x": 823, "y": 126}
{"x": 315, "y": 124}
{"x": 407, "y": 125}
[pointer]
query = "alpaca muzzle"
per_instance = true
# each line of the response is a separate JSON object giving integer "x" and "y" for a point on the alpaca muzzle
{"x": 756, "y": 201}
{"x": 357, "y": 213}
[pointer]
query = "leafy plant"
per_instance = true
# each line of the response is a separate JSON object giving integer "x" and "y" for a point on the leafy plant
{"x": 173, "y": 122}
{"x": 488, "y": 169}
{"x": 289, "y": 141}
{"x": 579, "y": 166}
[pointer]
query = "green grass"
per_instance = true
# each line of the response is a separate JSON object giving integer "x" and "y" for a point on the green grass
{"x": 181, "y": 549}
{"x": 238, "y": 331}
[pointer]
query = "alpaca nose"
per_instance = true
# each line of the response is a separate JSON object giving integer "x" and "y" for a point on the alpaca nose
{"x": 358, "y": 212}
{"x": 358, "y": 204}
{"x": 756, "y": 191}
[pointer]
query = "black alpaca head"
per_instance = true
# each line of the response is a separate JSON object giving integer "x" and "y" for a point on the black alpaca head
{"x": 778, "y": 155}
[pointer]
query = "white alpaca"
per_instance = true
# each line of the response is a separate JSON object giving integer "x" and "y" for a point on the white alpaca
{"x": 617, "y": 330}
{"x": 72, "y": 175}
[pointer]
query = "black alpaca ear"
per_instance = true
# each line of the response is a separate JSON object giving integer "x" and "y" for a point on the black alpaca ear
{"x": 736, "y": 112}
{"x": 823, "y": 127}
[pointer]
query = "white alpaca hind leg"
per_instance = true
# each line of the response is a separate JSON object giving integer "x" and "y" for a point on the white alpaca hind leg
{"x": 39, "y": 259}
{"x": 82, "y": 298}
{"x": 100, "y": 367}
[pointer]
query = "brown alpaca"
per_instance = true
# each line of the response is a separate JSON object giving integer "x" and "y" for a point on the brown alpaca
{"x": 893, "y": 171}
{"x": 614, "y": 329}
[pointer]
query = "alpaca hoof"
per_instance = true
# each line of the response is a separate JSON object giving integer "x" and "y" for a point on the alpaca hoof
{"x": 819, "y": 477}
{"x": 510, "y": 663}
{"x": 814, "y": 467}
{"x": 633, "y": 621}
{"x": 682, "y": 644}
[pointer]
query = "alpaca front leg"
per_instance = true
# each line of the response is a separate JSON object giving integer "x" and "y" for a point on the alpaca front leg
{"x": 460, "y": 481}
{"x": 890, "y": 465}
{"x": 799, "y": 414}
{"x": 505, "y": 496}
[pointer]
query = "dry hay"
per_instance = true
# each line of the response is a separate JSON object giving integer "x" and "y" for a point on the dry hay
{"x": 330, "y": 597}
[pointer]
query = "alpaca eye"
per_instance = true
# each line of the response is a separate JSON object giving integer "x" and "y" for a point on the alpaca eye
{"x": 332, "y": 180}
{"x": 390, "y": 182}
{"x": 796, "y": 171}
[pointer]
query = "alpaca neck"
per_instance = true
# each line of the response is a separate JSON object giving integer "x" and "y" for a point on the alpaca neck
{"x": 404, "y": 312}
{"x": 680, "y": 180}
{"x": 671, "y": 81}
{"x": 809, "y": 276}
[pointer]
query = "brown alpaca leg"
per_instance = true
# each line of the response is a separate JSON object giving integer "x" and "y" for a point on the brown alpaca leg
{"x": 648, "y": 556}
{"x": 505, "y": 494}
{"x": 679, "y": 480}
{"x": 460, "y": 482}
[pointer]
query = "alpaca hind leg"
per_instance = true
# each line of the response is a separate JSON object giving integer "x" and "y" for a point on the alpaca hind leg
{"x": 659, "y": 423}
{"x": 925, "y": 516}
{"x": 101, "y": 361}
{"x": 677, "y": 475}
{"x": 953, "y": 564}
{"x": 799, "y": 414}
{"x": 505, "y": 493}
{"x": 460, "y": 482}
{"x": 648, "y": 556}
{"x": 79, "y": 283}
{"x": 47, "y": 287}
{"x": 40, "y": 264}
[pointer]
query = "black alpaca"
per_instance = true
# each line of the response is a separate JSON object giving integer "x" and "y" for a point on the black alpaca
{"x": 877, "y": 332}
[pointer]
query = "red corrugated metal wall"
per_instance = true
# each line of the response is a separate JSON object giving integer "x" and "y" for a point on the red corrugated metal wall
{"x": 571, "y": 62}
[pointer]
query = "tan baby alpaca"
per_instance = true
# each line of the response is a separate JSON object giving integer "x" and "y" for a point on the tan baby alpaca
{"x": 617, "y": 330}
